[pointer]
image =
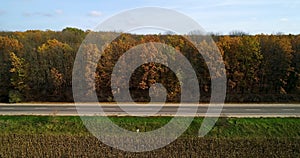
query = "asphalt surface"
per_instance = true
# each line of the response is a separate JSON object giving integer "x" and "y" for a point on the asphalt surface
{"x": 228, "y": 110}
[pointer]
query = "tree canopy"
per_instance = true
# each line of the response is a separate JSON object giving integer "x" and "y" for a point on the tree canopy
{"x": 37, "y": 66}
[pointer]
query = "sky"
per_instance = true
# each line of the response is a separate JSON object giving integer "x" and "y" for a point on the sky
{"x": 218, "y": 16}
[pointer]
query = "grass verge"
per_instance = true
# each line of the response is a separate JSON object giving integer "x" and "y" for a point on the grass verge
{"x": 224, "y": 127}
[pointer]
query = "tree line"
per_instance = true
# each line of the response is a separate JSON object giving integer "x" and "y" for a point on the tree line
{"x": 37, "y": 66}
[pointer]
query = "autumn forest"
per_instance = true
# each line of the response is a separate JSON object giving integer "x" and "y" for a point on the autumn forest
{"x": 37, "y": 66}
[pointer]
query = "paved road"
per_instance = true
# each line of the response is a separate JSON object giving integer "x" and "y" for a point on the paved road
{"x": 229, "y": 110}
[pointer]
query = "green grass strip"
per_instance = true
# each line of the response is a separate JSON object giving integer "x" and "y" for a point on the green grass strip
{"x": 224, "y": 128}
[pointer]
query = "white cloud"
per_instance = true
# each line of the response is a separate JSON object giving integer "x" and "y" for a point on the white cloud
{"x": 284, "y": 19}
{"x": 58, "y": 11}
{"x": 28, "y": 14}
{"x": 254, "y": 18}
{"x": 94, "y": 13}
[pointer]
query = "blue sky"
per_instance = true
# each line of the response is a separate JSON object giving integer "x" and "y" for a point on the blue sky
{"x": 222, "y": 16}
